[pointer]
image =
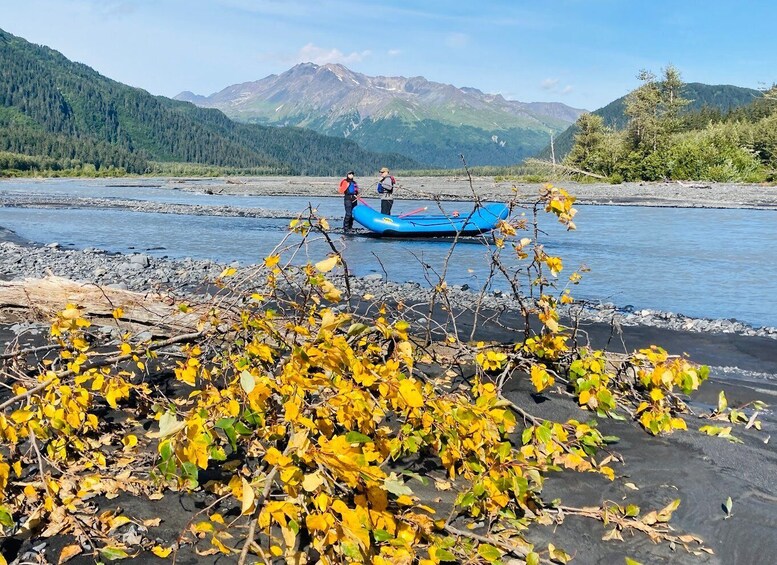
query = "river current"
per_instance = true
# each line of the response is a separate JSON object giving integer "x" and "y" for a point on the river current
{"x": 708, "y": 263}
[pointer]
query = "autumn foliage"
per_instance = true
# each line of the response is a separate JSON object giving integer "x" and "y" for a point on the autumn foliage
{"x": 322, "y": 435}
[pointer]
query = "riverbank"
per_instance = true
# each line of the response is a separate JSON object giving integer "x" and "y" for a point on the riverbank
{"x": 456, "y": 188}
{"x": 701, "y": 471}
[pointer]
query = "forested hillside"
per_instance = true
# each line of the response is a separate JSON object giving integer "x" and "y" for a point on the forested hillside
{"x": 703, "y": 99}
{"x": 56, "y": 114}
{"x": 662, "y": 140}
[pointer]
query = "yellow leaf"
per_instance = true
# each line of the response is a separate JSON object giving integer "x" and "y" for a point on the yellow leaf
{"x": 248, "y": 497}
{"x": 327, "y": 265}
{"x": 118, "y": 312}
{"x": 161, "y": 552}
{"x": 129, "y": 441}
{"x": 409, "y": 392}
{"x": 312, "y": 481}
{"x": 276, "y": 551}
{"x": 656, "y": 394}
{"x": 67, "y": 553}
{"x": 271, "y": 261}
{"x": 228, "y": 272}
{"x": 316, "y": 522}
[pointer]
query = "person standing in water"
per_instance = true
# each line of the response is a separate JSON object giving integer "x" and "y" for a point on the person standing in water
{"x": 386, "y": 190}
{"x": 350, "y": 191}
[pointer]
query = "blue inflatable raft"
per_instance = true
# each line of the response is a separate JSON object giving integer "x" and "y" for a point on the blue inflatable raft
{"x": 482, "y": 220}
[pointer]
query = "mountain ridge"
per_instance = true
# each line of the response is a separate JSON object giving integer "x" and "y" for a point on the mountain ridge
{"x": 61, "y": 110}
{"x": 412, "y": 111}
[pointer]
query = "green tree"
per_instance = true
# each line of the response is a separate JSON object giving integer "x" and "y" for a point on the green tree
{"x": 642, "y": 109}
{"x": 588, "y": 151}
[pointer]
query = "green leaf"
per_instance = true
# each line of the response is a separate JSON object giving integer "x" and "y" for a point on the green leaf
{"x": 381, "y": 535}
{"x": 544, "y": 434}
{"x": 113, "y": 553}
{"x": 242, "y": 429}
{"x": 467, "y": 500}
{"x": 6, "y": 518}
{"x": 165, "y": 450}
{"x": 168, "y": 425}
{"x": 247, "y": 381}
{"x": 356, "y": 329}
{"x": 225, "y": 423}
{"x": 533, "y": 558}
{"x": 727, "y": 507}
{"x": 423, "y": 480}
{"x": 357, "y": 437}
{"x": 396, "y": 486}
{"x": 489, "y": 552}
{"x": 630, "y": 561}
{"x": 444, "y": 555}
{"x": 722, "y": 402}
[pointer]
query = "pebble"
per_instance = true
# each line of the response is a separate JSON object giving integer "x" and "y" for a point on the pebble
{"x": 141, "y": 272}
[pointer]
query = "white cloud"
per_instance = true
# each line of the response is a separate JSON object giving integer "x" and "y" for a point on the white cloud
{"x": 393, "y": 52}
{"x": 311, "y": 53}
{"x": 457, "y": 40}
{"x": 549, "y": 84}
{"x": 567, "y": 89}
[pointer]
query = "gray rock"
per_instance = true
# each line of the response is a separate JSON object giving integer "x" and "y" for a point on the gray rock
{"x": 140, "y": 259}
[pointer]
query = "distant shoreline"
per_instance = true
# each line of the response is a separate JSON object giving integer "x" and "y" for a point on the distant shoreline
{"x": 457, "y": 188}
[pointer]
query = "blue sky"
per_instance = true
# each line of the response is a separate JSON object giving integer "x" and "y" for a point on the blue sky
{"x": 584, "y": 53}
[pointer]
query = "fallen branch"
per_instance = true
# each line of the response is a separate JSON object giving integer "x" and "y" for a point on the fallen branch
{"x": 47, "y": 296}
{"x": 564, "y": 168}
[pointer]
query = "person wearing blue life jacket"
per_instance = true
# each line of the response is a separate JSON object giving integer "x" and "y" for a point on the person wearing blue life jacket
{"x": 350, "y": 191}
{"x": 386, "y": 190}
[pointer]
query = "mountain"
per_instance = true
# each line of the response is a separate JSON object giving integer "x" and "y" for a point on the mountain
{"x": 70, "y": 115}
{"x": 432, "y": 122}
{"x": 722, "y": 98}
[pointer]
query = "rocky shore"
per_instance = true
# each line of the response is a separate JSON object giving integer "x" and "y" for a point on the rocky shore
{"x": 143, "y": 272}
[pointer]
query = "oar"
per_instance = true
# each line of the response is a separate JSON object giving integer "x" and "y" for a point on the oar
{"x": 406, "y": 214}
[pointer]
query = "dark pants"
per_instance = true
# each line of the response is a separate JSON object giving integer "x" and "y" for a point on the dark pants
{"x": 385, "y": 207}
{"x": 349, "y": 202}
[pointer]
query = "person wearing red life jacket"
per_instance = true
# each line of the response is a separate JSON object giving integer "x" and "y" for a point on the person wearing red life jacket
{"x": 350, "y": 191}
{"x": 386, "y": 190}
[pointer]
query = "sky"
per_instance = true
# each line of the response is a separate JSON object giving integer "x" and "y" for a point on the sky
{"x": 584, "y": 53}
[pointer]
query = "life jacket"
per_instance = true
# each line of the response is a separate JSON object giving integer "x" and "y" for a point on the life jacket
{"x": 345, "y": 184}
{"x": 382, "y": 189}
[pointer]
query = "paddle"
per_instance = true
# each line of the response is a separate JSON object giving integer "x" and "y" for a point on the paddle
{"x": 406, "y": 214}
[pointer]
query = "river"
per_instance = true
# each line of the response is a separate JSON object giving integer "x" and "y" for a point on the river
{"x": 709, "y": 263}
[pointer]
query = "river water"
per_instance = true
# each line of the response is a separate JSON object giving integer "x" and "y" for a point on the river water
{"x": 711, "y": 263}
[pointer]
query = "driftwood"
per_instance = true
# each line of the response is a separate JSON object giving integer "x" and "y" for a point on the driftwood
{"x": 41, "y": 299}
{"x": 563, "y": 168}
